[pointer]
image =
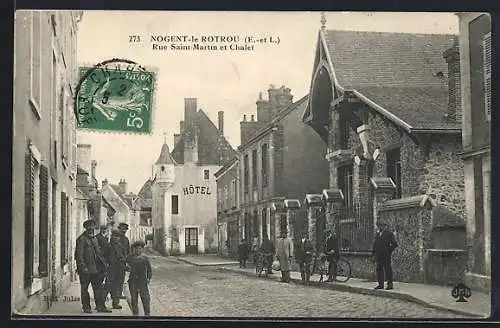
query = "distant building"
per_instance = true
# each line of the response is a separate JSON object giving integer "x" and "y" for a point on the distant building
{"x": 143, "y": 204}
{"x": 44, "y": 165}
{"x": 280, "y": 158}
{"x": 184, "y": 211}
{"x": 121, "y": 203}
{"x": 228, "y": 207}
{"x": 475, "y": 67}
{"x": 386, "y": 105}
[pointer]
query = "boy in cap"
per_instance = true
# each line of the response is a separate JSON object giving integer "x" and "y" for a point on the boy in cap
{"x": 139, "y": 278}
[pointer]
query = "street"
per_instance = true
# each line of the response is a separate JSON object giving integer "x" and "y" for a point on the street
{"x": 184, "y": 290}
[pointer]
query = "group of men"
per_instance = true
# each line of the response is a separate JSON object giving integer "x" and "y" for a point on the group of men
{"x": 102, "y": 262}
{"x": 383, "y": 246}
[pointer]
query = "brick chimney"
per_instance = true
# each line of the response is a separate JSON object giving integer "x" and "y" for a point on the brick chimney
{"x": 190, "y": 108}
{"x": 181, "y": 127}
{"x": 123, "y": 186}
{"x": 452, "y": 57}
{"x": 221, "y": 122}
{"x": 263, "y": 110}
{"x": 177, "y": 137}
{"x": 279, "y": 98}
{"x": 248, "y": 128}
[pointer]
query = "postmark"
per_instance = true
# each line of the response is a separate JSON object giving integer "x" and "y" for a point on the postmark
{"x": 116, "y": 96}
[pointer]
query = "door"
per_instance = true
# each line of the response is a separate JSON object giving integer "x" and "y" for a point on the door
{"x": 191, "y": 240}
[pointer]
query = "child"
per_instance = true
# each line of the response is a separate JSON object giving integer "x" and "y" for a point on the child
{"x": 139, "y": 278}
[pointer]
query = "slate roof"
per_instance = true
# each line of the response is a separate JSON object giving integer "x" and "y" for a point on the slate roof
{"x": 165, "y": 157}
{"x": 397, "y": 71}
{"x": 127, "y": 200}
{"x": 213, "y": 147}
{"x": 145, "y": 195}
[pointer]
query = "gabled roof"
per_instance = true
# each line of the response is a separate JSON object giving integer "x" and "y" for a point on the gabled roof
{"x": 398, "y": 73}
{"x": 213, "y": 147}
{"x": 116, "y": 190}
{"x": 300, "y": 104}
{"x": 145, "y": 195}
{"x": 165, "y": 157}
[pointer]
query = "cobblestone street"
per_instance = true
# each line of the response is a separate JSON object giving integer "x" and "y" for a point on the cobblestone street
{"x": 180, "y": 289}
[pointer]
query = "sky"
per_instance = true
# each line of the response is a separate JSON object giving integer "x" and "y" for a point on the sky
{"x": 228, "y": 81}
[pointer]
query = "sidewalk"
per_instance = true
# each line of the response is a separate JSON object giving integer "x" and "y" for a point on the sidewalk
{"x": 73, "y": 306}
{"x": 439, "y": 297}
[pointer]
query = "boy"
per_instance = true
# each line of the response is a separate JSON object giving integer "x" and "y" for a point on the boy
{"x": 139, "y": 278}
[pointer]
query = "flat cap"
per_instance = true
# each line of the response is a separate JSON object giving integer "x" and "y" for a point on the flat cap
{"x": 88, "y": 223}
{"x": 124, "y": 225}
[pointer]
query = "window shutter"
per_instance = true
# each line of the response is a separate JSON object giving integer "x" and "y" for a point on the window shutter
{"x": 487, "y": 74}
{"x": 29, "y": 188}
{"x": 63, "y": 229}
{"x": 44, "y": 221}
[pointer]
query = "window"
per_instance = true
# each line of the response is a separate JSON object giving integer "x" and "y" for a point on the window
{"x": 219, "y": 196}
{"x": 64, "y": 229}
{"x": 487, "y": 75}
{"x": 394, "y": 169}
{"x": 254, "y": 168}
{"x": 175, "y": 204}
{"x": 226, "y": 197}
{"x": 32, "y": 219}
{"x": 206, "y": 174}
{"x": 35, "y": 71}
{"x": 62, "y": 118}
{"x": 43, "y": 268}
{"x": 264, "y": 165}
{"x": 264, "y": 222}
{"x": 234, "y": 194}
{"x": 344, "y": 132}
{"x": 246, "y": 174}
{"x": 53, "y": 110}
{"x": 255, "y": 223}
{"x": 345, "y": 183}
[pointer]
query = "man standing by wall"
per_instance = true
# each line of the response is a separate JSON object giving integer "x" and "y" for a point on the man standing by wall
{"x": 103, "y": 241}
{"x": 332, "y": 254}
{"x": 91, "y": 267}
{"x": 383, "y": 246}
{"x": 284, "y": 251}
{"x": 303, "y": 256}
{"x": 119, "y": 251}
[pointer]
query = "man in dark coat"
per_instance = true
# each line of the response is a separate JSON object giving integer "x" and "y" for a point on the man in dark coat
{"x": 332, "y": 254}
{"x": 103, "y": 241}
{"x": 304, "y": 251}
{"x": 119, "y": 250}
{"x": 267, "y": 248}
{"x": 383, "y": 246}
{"x": 91, "y": 267}
{"x": 243, "y": 253}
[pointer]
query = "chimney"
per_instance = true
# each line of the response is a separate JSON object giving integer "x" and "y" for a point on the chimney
{"x": 244, "y": 117}
{"x": 104, "y": 183}
{"x": 181, "y": 127}
{"x": 177, "y": 137}
{"x": 83, "y": 157}
{"x": 263, "y": 110}
{"x": 94, "y": 164}
{"x": 452, "y": 57}
{"x": 123, "y": 186}
{"x": 221, "y": 122}
{"x": 252, "y": 118}
{"x": 190, "y": 107}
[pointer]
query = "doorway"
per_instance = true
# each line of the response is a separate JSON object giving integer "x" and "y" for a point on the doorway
{"x": 191, "y": 240}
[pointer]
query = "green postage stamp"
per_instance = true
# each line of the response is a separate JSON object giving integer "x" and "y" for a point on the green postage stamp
{"x": 115, "y": 96}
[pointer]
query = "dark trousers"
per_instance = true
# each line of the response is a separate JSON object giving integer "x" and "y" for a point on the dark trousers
{"x": 332, "y": 269}
{"x": 384, "y": 270}
{"x": 139, "y": 288}
{"x": 95, "y": 279}
{"x": 117, "y": 277}
{"x": 269, "y": 263}
{"x": 243, "y": 262}
{"x": 305, "y": 270}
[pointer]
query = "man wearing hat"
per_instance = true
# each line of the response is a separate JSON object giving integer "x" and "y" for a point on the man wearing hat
{"x": 119, "y": 251}
{"x": 284, "y": 251}
{"x": 383, "y": 246}
{"x": 103, "y": 240}
{"x": 332, "y": 254}
{"x": 91, "y": 267}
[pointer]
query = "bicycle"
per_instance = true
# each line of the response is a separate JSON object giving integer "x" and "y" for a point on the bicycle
{"x": 319, "y": 266}
{"x": 262, "y": 263}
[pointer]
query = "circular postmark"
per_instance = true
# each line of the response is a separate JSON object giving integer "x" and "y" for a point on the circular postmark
{"x": 115, "y": 95}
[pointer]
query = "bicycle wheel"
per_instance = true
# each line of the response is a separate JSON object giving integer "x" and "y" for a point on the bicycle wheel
{"x": 343, "y": 270}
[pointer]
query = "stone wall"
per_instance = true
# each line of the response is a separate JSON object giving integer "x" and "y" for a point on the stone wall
{"x": 443, "y": 174}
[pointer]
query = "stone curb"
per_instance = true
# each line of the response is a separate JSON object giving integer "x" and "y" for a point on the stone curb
{"x": 205, "y": 264}
{"x": 361, "y": 290}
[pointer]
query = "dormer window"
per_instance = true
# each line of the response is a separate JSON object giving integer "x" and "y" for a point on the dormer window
{"x": 162, "y": 168}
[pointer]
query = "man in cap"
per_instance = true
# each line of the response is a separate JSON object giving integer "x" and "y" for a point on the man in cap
{"x": 91, "y": 267}
{"x": 332, "y": 254}
{"x": 383, "y": 246}
{"x": 119, "y": 251}
{"x": 103, "y": 240}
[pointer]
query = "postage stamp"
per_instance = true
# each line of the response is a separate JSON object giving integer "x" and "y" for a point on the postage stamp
{"x": 116, "y": 95}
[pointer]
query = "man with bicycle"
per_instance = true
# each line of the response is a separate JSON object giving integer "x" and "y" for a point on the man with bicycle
{"x": 332, "y": 254}
{"x": 267, "y": 249}
{"x": 303, "y": 255}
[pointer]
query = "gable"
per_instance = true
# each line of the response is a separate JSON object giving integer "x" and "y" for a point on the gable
{"x": 213, "y": 148}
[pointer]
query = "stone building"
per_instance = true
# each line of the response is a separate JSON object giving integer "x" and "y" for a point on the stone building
{"x": 228, "y": 207}
{"x": 44, "y": 153}
{"x": 143, "y": 204}
{"x": 475, "y": 66}
{"x": 387, "y": 105}
{"x": 120, "y": 201}
{"x": 184, "y": 211}
{"x": 280, "y": 159}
